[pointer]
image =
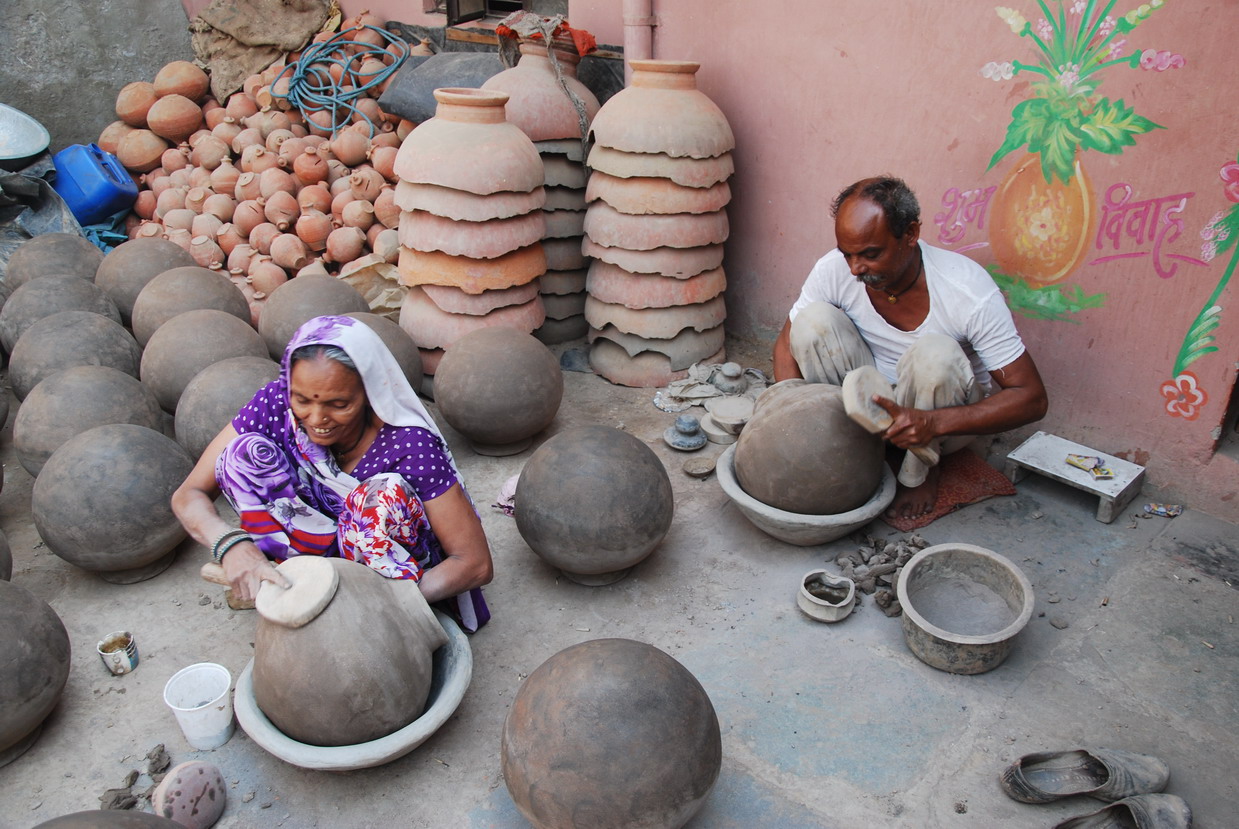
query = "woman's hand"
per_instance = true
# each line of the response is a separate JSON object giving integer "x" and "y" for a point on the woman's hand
{"x": 247, "y": 568}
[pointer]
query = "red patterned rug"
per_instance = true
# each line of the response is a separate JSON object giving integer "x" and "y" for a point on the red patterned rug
{"x": 964, "y": 479}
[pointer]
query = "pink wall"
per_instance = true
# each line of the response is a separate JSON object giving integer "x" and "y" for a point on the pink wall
{"x": 829, "y": 91}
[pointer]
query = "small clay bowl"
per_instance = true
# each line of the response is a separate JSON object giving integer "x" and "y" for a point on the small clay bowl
{"x": 826, "y": 597}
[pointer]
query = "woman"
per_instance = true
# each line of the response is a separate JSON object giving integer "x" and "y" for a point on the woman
{"x": 338, "y": 457}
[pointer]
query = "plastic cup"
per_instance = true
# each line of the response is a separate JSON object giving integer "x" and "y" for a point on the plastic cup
{"x": 199, "y": 696}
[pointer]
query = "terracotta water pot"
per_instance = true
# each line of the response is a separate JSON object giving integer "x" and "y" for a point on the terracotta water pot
{"x": 46, "y": 295}
{"x": 67, "y": 339}
{"x": 642, "y": 195}
{"x": 676, "y": 262}
{"x": 431, "y": 327}
{"x": 102, "y": 501}
{"x": 594, "y": 502}
{"x": 188, "y": 343}
{"x": 379, "y": 682}
{"x": 36, "y": 649}
{"x": 214, "y": 396}
{"x": 426, "y": 232}
{"x": 470, "y": 146}
{"x": 536, "y": 101}
{"x": 300, "y": 300}
{"x": 472, "y": 276}
{"x": 687, "y": 172}
{"x": 398, "y": 342}
{"x": 498, "y": 387}
{"x": 127, "y": 268}
{"x": 178, "y": 290}
{"x": 467, "y": 207}
{"x": 611, "y": 733}
{"x": 611, "y": 283}
{"x": 606, "y": 226}
{"x": 656, "y": 323}
{"x": 50, "y": 254}
{"x": 456, "y": 301}
{"x": 662, "y": 111}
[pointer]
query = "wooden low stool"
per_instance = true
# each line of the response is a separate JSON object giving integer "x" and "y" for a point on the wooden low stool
{"x": 214, "y": 573}
{"x": 1047, "y": 454}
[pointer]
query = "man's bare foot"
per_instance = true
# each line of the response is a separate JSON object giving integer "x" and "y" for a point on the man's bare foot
{"x": 913, "y": 502}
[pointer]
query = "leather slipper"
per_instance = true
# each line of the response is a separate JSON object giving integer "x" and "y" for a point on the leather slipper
{"x": 1106, "y": 774}
{"x": 1143, "y": 811}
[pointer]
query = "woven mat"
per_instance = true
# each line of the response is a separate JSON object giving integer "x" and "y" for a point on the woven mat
{"x": 964, "y": 479}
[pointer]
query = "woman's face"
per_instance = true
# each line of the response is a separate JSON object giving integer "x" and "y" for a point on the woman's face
{"x": 328, "y": 400}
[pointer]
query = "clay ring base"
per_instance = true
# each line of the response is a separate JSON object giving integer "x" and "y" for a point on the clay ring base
{"x": 314, "y": 582}
{"x": 138, "y": 574}
{"x": 597, "y": 579}
{"x": 501, "y": 450}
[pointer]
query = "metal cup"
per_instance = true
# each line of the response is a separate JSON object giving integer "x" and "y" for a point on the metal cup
{"x": 119, "y": 652}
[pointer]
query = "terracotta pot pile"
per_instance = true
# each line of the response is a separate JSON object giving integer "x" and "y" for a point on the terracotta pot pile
{"x": 471, "y": 194}
{"x": 537, "y": 104}
{"x": 251, "y": 187}
{"x": 655, "y": 227}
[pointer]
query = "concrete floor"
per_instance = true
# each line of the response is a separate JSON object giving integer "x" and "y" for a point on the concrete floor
{"x": 822, "y": 725}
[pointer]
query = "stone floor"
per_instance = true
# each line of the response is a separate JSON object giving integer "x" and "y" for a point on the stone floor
{"x": 822, "y": 725}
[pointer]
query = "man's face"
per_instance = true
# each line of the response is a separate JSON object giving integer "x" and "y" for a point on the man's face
{"x": 874, "y": 255}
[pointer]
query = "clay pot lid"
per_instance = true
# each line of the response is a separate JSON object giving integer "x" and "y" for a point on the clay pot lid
{"x": 314, "y": 582}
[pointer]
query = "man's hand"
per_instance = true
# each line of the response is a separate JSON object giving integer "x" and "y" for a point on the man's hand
{"x": 247, "y": 568}
{"x": 909, "y": 427}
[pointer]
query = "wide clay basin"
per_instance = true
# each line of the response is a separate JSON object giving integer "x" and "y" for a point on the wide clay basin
{"x": 611, "y": 283}
{"x": 688, "y": 172}
{"x": 430, "y": 327}
{"x": 677, "y": 262}
{"x": 467, "y": 207}
{"x": 655, "y": 195}
{"x": 426, "y": 232}
{"x": 472, "y": 275}
{"x": 656, "y": 323}
{"x": 608, "y": 227}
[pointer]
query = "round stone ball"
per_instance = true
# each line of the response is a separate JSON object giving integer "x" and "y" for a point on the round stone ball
{"x": 67, "y": 339}
{"x": 124, "y": 272}
{"x": 301, "y": 299}
{"x": 102, "y": 501}
{"x": 498, "y": 387}
{"x": 594, "y": 502}
{"x": 188, "y": 343}
{"x": 46, "y": 295}
{"x": 398, "y": 342}
{"x": 74, "y": 400}
{"x": 611, "y": 734}
{"x": 178, "y": 290}
{"x": 34, "y": 664}
{"x": 801, "y": 453}
{"x": 49, "y": 254}
{"x": 215, "y": 395}
{"x": 110, "y": 819}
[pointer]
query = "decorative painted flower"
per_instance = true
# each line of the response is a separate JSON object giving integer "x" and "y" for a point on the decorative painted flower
{"x": 1041, "y": 224}
{"x": 1184, "y": 398}
{"x": 1152, "y": 60}
{"x": 1230, "y": 180}
{"x": 997, "y": 71}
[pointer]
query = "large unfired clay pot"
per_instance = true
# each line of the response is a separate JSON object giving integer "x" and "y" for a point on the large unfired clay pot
{"x": 421, "y": 230}
{"x": 677, "y": 262}
{"x": 686, "y": 172}
{"x": 359, "y": 670}
{"x": 71, "y": 401}
{"x": 298, "y": 301}
{"x": 52, "y": 253}
{"x": 431, "y": 327}
{"x": 398, "y": 342}
{"x": 608, "y": 227}
{"x": 498, "y": 388}
{"x": 125, "y": 270}
{"x": 536, "y": 101}
{"x": 102, "y": 501}
{"x": 800, "y": 452}
{"x": 656, "y": 323}
{"x": 472, "y": 276}
{"x": 611, "y": 283}
{"x": 46, "y": 295}
{"x": 214, "y": 396}
{"x": 641, "y": 195}
{"x": 34, "y": 664}
{"x": 188, "y": 343}
{"x": 179, "y": 290}
{"x": 611, "y": 734}
{"x": 644, "y": 369}
{"x": 467, "y": 207}
{"x": 110, "y": 819}
{"x": 67, "y": 339}
{"x": 594, "y": 502}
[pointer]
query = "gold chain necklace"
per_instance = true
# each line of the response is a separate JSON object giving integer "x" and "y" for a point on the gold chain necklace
{"x": 893, "y": 298}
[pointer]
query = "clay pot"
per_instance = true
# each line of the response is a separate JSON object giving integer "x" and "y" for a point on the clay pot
{"x": 178, "y": 290}
{"x": 262, "y": 235}
{"x": 646, "y": 368}
{"x": 49, "y": 295}
{"x": 468, "y": 129}
{"x": 656, "y": 323}
{"x": 109, "y": 139}
{"x": 124, "y": 272}
{"x": 655, "y": 195}
{"x": 564, "y": 254}
{"x": 365, "y": 183}
{"x": 431, "y": 327}
{"x": 139, "y": 151}
{"x": 594, "y": 502}
{"x": 477, "y": 240}
{"x": 309, "y": 167}
{"x": 110, "y": 819}
{"x": 612, "y": 284}
{"x": 687, "y": 172}
{"x": 561, "y": 224}
{"x": 248, "y": 215}
{"x": 180, "y": 77}
{"x": 314, "y": 197}
{"x": 313, "y": 228}
{"x": 553, "y": 332}
{"x": 801, "y": 453}
{"x": 220, "y": 205}
{"x": 206, "y": 224}
{"x": 608, "y": 227}
{"x": 298, "y": 301}
{"x": 206, "y": 252}
{"x": 565, "y": 198}
{"x": 208, "y": 152}
{"x": 537, "y": 103}
{"x": 358, "y": 213}
{"x": 70, "y": 402}
{"x": 611, "y": 733}
{"x": 351, "y": 147}
{"x": 456, "y": 301}
{"x": 281, "y": 209}
{"x": 472, "y": 275}
{"x": 560, "y": 172}
{"x": 36, "y": 648}
{"x": 102, "y": 501}
{"x": 52, "y": 254}
{"x": 214, "y": 396}
{"x": 381, "y": 681}
{"x": 467, "y": 207}
{"x": 562, "y": 306}
{"x": 562, "y": 282}
{"x": 190, "y": 342}
{"x": 662, "y": 111}
{"x": 344, "y": 244}
{"x": 193, "y": 794}
{"x": 676, "y": 262}
{"x": 685, "y": 348}
{"x": 289, "y": 252}
{"x": 399, "y": 343}
{"x": 174, "y": 117}
{"x": 498, "y": 387}
{"x": 133, "y": 101}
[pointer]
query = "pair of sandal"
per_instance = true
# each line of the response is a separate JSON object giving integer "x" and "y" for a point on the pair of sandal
{"x": 1131, "y": 782}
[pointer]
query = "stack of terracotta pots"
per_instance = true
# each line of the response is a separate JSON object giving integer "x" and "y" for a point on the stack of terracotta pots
{"x": 655, "y": 227}
{"x": 539, "y": 106}
{"x": 471, "y": 193}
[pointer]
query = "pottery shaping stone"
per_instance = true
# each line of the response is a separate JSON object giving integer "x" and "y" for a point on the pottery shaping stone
{"x": 859, "y": 387}
{"x": 314, "y": 582}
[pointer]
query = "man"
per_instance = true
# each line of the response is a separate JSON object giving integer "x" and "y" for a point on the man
{"x": 931, "y": 320}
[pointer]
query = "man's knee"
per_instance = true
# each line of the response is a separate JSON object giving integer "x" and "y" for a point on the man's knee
{"x": 815, "y": 320}
{"x": 935, "y": 359}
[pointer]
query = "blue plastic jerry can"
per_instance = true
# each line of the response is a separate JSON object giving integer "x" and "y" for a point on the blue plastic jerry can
{"x": 92, "y": 182}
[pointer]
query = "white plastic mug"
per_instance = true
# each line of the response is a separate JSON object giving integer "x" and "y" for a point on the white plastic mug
{"x": 199, "y": 696}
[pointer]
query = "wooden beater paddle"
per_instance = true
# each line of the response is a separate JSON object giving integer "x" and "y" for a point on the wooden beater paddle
{"x": 859, "y": 387}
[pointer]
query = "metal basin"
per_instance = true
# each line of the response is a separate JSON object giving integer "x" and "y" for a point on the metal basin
{"x": 21, "y": 138}
{"x": 962, "y": 607}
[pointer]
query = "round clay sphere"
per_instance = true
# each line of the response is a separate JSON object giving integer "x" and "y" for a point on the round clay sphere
{"x": 74, "y": 400}
{"x": 498, "y": 387}
{"x": 398, "y": 342}
{"x": 67, "y": 339}
{"x": 110, "y": 819}
{"x": 188, "y": 343}
{"x": 46, "y": 295}
{"x": 34, "y": 664}
{"x": 102, "y": 501}
{"x": 49, "y": 254}
{"x": 215, "y": 395}
{"x": 298, "y": 301}
{"x": 611, "y": 733}
{"x": 801, "y": 453}
{"x": 178, "y": 290}
{"x": 594, "y": 502}
{"x": 124, "y": 272}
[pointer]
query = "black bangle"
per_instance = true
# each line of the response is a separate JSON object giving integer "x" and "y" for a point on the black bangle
{"x": 228, "y": 545}
{"x": 216, "y": 555}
